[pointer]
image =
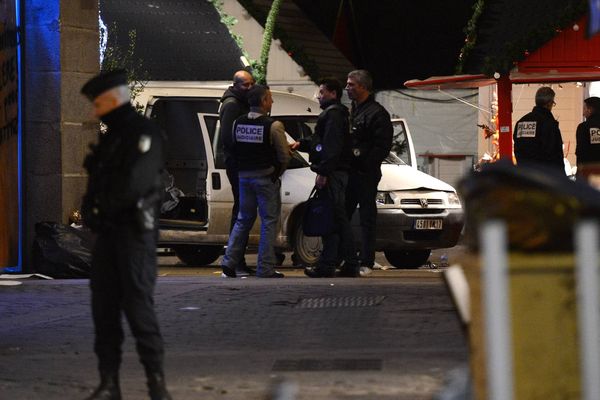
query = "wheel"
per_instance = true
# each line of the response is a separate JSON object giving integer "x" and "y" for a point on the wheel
{"x": 306, "y": 249}
{"x": 409, "y": 259}
{"x": 195, "y": 255}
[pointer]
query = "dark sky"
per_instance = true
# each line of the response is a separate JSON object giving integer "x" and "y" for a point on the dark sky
{"x": 398, "y": 40}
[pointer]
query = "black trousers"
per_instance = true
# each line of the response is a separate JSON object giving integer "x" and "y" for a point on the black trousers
{"x": 122, "y": 282}
{"x": 362, "y": 191}
{"x": 340, "y": 244}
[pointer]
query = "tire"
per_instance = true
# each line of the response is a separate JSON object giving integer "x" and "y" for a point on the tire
{"x": 408, "y": 259}
{"x": 307, "y": 250}
{"x": 197, "y": 256}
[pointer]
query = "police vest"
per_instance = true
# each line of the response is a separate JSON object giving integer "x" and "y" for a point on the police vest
{"x": 252, "y": 143}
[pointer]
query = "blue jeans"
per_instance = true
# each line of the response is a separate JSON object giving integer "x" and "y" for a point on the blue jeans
{"x": 262, "y": 194}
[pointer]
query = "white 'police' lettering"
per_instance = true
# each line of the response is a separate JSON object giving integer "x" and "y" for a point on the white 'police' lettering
{"x": 594, "y": 136}
{"x": 249, "y": 133}
{"x": 526, "y": 129}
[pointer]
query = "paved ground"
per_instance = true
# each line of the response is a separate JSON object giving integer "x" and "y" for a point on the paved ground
{"x": 393, "y": 335}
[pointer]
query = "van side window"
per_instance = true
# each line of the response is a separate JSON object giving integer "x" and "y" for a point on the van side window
{"x": 400, "y": 143}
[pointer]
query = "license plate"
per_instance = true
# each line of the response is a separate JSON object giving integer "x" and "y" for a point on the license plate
{"x": 428, "y": 224}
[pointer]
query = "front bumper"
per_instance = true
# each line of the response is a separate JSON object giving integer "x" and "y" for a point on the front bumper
{"x": 396, "y": 230}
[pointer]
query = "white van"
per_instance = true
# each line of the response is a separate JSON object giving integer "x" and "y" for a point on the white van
{"x": 416, "y": 212}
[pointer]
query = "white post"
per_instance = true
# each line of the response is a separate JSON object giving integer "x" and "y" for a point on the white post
{"x": 588, "y": 307}
{"x": 498, "y": 342}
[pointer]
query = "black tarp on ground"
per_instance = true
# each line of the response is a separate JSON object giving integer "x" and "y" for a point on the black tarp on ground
{"x": 180, "y": 40}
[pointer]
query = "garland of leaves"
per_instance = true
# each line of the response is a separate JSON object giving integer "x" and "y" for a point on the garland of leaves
{"x": 518, "y": 49}
{"x": 260, "y": 73}
{"x": 229, "y": 22}
{"x": 293, "y": 49}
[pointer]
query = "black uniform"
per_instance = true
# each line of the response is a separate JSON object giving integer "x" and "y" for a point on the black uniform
{"x": 538, "y": 140}
{"x": 371, "y": 138}
{"x": 588, "y": 141}
{"x": 330, "y": 156}
{"x": 121, "y": 202}
{"x": 233, "y": 106}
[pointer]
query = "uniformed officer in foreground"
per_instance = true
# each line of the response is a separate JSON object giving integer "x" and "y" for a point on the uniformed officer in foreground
{"x": 262, "y": 154}
{"x": 330, "y": 154}
{"x": 537, "y": 137}
{"x": 121, "y": 204}
{"x": 371, "y": 135}
{"x": 588, "y": 138}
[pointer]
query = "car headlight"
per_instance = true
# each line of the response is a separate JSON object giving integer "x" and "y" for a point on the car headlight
{"x": 453, "y": 199}
{"x": 384, "y": 198}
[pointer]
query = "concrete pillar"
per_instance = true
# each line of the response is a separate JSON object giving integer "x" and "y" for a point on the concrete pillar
{"x": 60, "y": 54}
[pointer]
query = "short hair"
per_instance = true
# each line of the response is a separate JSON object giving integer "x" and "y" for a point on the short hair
{"x": 256, "y": 95}
{"x": 544, "y": 96}
{"x": 333, "y": 85}
{"x": 593, "y": 103}
{"x": 363, "y": 77}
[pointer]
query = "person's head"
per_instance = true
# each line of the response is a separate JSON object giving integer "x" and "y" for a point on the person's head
{"x": 330, "y": 89}
{"x": 544, "y": 97}
{"x": 260, "y": 98}
{"x": 591, "y": 106}
{"x": 359, "y": 85}
{"x": 243, "y": 80}
{"x": 107, "y": 91}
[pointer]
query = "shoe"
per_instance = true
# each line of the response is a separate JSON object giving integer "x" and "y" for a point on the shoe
{"x": 108, "y": 389}
{"x": 315, "y": 272}
{"x": 244, "y": 270}
{"x": 349, "y": 271}
{"x": 157, "y": 389}
{"x": 364, "y": 270}
{"x": 228, "y": 272}
{"x": 275, "y": 274}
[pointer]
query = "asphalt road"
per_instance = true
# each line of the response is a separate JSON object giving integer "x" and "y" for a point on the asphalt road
{"x": 393, "y": 335}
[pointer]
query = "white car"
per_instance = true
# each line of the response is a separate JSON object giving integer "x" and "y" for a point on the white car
{"x": 416, "y": 212}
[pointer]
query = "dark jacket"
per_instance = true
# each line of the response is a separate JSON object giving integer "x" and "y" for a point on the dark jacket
{"x": 124, "y": 169}
{"x": 253, "y": 149}
{"x": 233, "y": 106}
{"x": 588, "y": 140}
{"x": 538, "y": 140}
{"x": 329, "y": 147}
{"x": 371, "y": 135}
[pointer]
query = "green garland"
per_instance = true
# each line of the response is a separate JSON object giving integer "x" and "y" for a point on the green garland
{"x": 293, "y": 49}
{"x": 229, "y": 22}
{"x": 517, "y": 49}
{"x": 471, "y": 35}
{"x": 260, "y": 73}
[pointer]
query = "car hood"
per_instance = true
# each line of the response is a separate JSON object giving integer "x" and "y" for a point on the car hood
{"x": 403, "y": 177}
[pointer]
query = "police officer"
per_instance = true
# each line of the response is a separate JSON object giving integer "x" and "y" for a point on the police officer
{"x": 588, "y": 138}
{"x": 330, "y": 155}
{"x": 262, "y": 153}
{"x": 233, "y": 105}
{"x": 371, "y": 137}
{"x": 537, "y": 137}
{"x": 120, "y": 205}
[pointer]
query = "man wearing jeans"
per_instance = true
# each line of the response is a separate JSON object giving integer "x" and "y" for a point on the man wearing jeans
{"x": 262, "y": 154}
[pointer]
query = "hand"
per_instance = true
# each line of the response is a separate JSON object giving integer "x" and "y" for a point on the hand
{"x": 321, "y": 181}
{"x": 294, "y": 146}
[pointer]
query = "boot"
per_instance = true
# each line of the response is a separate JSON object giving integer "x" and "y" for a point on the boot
{"x": 108, "y": 389}
{"x": 157, "y": 387}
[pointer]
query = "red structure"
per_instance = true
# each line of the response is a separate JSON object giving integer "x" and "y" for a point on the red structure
{"x": 569, "y": 57}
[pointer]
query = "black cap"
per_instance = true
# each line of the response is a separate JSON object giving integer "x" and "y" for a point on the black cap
{"x": 104, "y": 81}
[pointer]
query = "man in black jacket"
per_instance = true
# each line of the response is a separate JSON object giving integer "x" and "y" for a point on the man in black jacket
{"x": 120, "y": 205}
{"x": 371, "y": 137}
{"x": 234, "y": 104}
{"x": 537, "y": 137}
{"x": 588, "y": 138}
{"x": 330, "y": 155}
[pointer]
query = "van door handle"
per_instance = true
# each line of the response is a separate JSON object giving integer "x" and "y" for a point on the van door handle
{"x": 216, "y": 180}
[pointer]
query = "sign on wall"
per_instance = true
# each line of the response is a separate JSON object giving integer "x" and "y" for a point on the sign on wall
{"x": 9, "y": 137}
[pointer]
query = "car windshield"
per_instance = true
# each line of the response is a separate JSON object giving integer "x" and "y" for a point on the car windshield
{"x": 392, "y": 158}
{"x": 400, "y": 148}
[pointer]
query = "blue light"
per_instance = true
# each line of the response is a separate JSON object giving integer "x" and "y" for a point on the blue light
{"x": 19, "y": 266}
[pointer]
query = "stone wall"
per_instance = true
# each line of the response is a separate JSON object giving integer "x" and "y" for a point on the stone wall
{"x": 60, "y": 54}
